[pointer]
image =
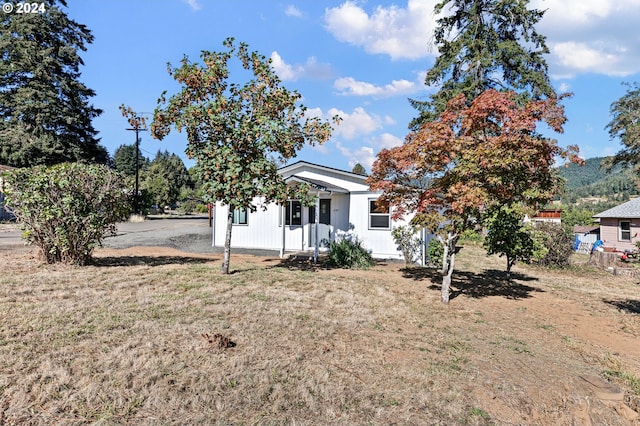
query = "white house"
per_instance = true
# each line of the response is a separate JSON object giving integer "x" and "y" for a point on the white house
{"x": 344, "y": 203}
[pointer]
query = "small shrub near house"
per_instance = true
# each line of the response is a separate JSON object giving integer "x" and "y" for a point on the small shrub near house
{"x": 405, "y": 237}
{"x": 553, "y": 245}
{"x": 346, "y": 251}
{"x": 435, "y": 251}
{"x": 67, "y": 209}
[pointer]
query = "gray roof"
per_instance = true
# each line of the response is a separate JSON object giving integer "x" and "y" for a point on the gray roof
{"x": 318, "y": 184}
{"x": 630, "y": 209}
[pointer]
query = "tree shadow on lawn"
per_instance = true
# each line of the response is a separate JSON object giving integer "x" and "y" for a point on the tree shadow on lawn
{"x": 487, "y": 283}
{"x": 109, "y": 261}
{"x": 629, "y": 305}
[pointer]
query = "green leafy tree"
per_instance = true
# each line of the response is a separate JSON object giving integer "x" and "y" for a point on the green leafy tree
{"x": 67, "y": 209}
{"x": 165, "y": 178}
{"x": 473, "y": 157}
{"x": 574, "y": 215}
{"x": 45, "y": 114}
{"x": 486, "y": 44}
{"x": 359, "y": 170}
{"x": 508, "y": 236}
{"x": 238, "y": 133}
{"x": 625, "y": 125}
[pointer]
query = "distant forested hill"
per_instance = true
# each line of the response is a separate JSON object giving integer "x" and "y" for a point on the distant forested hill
{"x": 591, "y": 181}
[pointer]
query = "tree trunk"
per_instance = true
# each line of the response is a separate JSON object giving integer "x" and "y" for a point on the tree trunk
{"x": 448, "y": 263}
{"x": 227, "y": 242}
{"x": 446, "y": 279}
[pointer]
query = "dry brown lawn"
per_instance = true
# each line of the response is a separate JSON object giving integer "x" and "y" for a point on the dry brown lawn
{"x": 156, "y": 336}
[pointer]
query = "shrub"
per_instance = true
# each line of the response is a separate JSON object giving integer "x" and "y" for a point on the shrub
{"x": 556, "y": 242}
{"x": 405, "y": 237}
{"x": 435, "y": 251}
{"x": 67, "y": 209}
{"x": 508, "y": 236}
{"x": 187, "y": 207}
{"x": 346, "y": 251}
{"x": 471, "y": 236}
{"x": 202, "y": 208}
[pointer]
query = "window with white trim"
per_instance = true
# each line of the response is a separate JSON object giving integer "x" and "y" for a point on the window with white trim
{"x": 240, "y": 217}
{"x": 293, "y": 213}
{"x": 624, "y": 230}
{"x": 379, "y": 218}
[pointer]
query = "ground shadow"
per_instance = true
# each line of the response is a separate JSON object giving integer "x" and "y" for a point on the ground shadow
{"x": 477, "y": 285}
{"x": 629, "y": 305}
{"x": 110, "y": 261}
{"x": 302, "y": 263}
{"x": 305, "y": 263}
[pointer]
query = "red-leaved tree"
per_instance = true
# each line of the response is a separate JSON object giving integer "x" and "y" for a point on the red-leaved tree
{"x": 471, "y": 157}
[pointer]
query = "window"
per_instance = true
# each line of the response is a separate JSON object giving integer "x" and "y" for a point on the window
{"x": 624, "y": 227}
{"x": 293, "y": 213}
{"x": 240, "y": 217}
{"x": 378, "y": 217}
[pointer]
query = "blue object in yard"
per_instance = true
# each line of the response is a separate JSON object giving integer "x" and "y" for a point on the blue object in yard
{"x": 597, "y": 244}
{"x": 576, "y": 244}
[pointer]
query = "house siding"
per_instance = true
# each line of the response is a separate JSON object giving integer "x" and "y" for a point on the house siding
{"x": 379, "y": 241}
{"x": 349, "y": 197}
{"x": 609, "y": 233}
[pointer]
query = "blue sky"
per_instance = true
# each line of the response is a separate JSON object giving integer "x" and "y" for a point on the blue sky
{"x": 358, "y": 59}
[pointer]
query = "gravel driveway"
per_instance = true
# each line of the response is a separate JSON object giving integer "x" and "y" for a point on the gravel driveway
{"x": 185, "y": 233}
{"x": 190, "y": 234}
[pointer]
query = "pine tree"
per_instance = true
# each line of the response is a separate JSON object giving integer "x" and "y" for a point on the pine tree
{"x": 45, "y": 114}
{"x": 486, "y": 44}
{"x": 359, "y": 169}
{"x": 124, "y": 159}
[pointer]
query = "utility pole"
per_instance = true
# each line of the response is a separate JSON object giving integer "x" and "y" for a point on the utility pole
{"x": 138, "y": 124}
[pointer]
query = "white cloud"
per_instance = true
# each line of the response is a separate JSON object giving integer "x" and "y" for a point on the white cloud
{"x": 352, "y": 87}
{"x": 193, "y": 4}
{"x": 574, "y": 58}
{"x": 394, "y": 31}
{"x": 584, "y": 36}
{"x": 591, "y": 36}
{"x": 356, "y": 124}
{"x": 310, "y": 69}
{"x": 367, "y": 154}
{"x": 293, "y": 11}
{"x": 363, "y": 155}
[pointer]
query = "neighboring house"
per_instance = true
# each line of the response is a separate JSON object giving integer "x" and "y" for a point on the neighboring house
{"x": 548, "y": 215}
{"x": 620, "y": 226}
{"x": 4, "y": 214}
{"x": 344, "y": 203}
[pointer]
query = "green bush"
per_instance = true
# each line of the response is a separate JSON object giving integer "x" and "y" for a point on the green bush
{"x": 67, "y": 209}
{"x": 202, "y": 208}
{"x": 405, "y": 237}
{"x": 435, "y": 251}
{"x": 347, "y": 252}
{"x": 554, "y": 245}
{"x": 187, "y": 207}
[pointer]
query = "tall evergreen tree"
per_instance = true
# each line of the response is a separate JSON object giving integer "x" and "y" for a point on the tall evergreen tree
{"x": 124, "y": 160}
{"x": 625, "y": 125}
{"x": 359, "y": 169}
{"x": 486, "y": 44}
{"x": 45, "y": 114}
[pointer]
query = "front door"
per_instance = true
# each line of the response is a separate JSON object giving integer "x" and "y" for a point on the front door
{"x": 324, "y": 228}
